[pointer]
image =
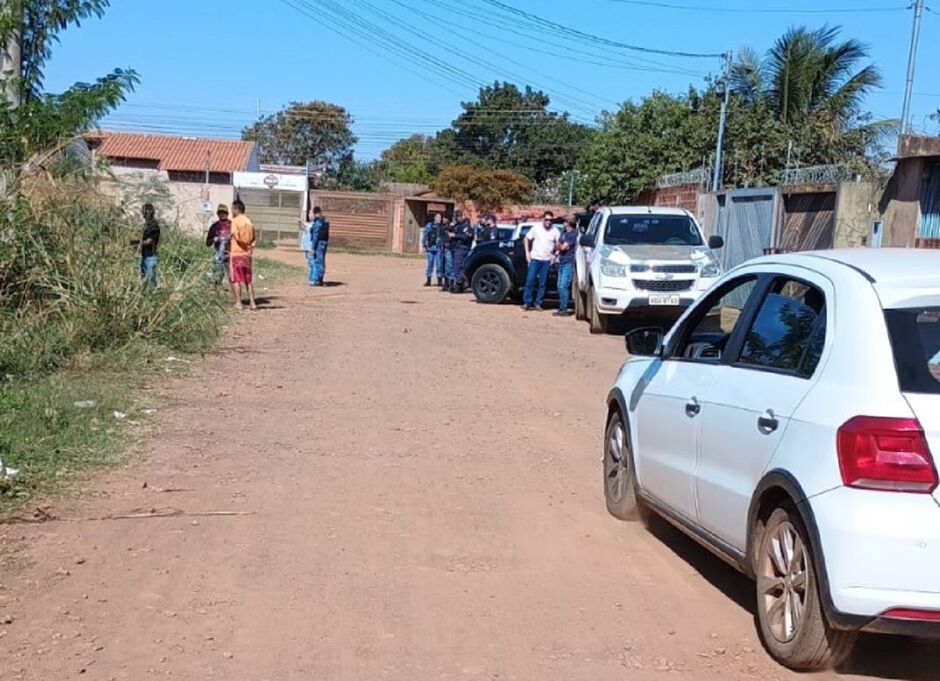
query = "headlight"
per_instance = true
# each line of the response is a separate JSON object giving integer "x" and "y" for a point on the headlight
{"x": 710, "y": 271}
{"x": 612, "y": 269}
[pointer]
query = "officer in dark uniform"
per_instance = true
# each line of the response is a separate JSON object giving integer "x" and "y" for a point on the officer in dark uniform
{"x": 489, "y": 232}
{"x": 462, "y": 240}
{"x": 447, "y": 252}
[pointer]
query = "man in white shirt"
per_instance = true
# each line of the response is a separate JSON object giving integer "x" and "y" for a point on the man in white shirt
{"x": 540, "y": 245}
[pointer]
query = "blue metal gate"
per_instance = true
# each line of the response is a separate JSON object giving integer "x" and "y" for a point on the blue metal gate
{"x": 930, "y": 205}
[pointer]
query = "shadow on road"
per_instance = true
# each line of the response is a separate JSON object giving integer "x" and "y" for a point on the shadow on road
{"x": 876, "y": 657}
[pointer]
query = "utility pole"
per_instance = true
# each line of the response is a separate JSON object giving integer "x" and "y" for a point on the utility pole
{"x": 911, "y": 59}
{"x": 10, "y": 59}
{"x": 726, "y": 86}
{"x": 571, "y": 189}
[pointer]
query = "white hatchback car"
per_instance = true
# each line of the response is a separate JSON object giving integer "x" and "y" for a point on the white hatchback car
{"x": 786, "y": 423}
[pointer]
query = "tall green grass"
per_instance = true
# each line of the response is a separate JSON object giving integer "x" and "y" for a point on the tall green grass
{"x": 77, "y": 324}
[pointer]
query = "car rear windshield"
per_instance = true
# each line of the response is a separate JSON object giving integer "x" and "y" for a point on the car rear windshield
{"x": 669, "y": 230}
{"x": 915, "y": 339}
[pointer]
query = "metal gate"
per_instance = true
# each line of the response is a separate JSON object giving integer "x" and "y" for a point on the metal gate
{"x": 809, "y": 221}
{"x": 745, "y": 221}
{"x": 930, "y": 205}
{"x": 274, "y": 213}
{"x": 357, "y": 218}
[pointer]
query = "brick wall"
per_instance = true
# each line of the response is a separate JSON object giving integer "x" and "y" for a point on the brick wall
{"x": 681, "y": 196}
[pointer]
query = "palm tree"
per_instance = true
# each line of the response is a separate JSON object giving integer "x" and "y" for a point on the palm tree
{"x": 808, "y": 73}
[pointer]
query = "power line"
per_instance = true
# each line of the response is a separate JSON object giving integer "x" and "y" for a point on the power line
{"x": 762, "y": 10}
{"x": 554, "y": 26}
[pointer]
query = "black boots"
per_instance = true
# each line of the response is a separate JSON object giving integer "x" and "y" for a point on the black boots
{"x": 428, "y": 282}
{"x": 440, "y": 283}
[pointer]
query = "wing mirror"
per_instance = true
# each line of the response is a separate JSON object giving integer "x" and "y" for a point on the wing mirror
{"x": 586, "y": 240}
{"x": 715, "y": 241}
{"x": 645, "y": 342}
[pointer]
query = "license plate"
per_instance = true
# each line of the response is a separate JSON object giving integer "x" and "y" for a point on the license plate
{"x": 664, "y": 300}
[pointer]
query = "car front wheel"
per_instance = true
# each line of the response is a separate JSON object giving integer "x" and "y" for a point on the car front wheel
{"x": 619, "y": 478}
{"x": 490, "y": 283}
{"x": 790, "y": 616}
{"x": 596, "y": 321}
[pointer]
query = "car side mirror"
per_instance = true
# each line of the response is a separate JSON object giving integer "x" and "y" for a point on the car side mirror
{"x": 715, "y": 241}
{"x": 586, "y": 240}
{"x": 645, "y": 342}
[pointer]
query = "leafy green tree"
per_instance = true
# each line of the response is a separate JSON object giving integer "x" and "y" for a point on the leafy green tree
{"x": 43, "y": 121}
{"x": 301, "y": 132}
{"x": 812, "y": 77}
{"x": 511, "y": 128}
{"x": 414, "y": 159}
{"x": 488, "y": 189}
{"x": 355, "y": 176}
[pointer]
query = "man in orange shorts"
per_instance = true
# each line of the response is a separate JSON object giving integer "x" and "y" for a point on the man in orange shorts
{"x": 242, "y": 246}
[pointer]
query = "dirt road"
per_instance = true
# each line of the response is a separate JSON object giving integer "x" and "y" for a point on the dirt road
{"x": 419, "y": 486}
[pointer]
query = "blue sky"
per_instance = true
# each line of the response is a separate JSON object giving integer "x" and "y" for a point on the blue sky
{"x": 206, "y": 64}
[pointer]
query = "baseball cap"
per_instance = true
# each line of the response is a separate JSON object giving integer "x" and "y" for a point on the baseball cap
{"x": 222, "y": 208}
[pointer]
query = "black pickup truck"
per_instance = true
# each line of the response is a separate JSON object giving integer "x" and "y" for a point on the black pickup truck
{"x": 496, "y": 269}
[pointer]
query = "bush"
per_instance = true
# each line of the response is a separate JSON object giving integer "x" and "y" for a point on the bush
{"x": 70, "y": 285}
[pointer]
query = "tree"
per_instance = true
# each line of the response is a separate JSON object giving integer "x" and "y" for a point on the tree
{"x": 356, "y": 176}
{"x": 414, "y": 159}
{"x": 809, "y": 75}
{"x": 43, "y": 121}
{"x": 511, "y": 128}
{"x": 300, "y": 132}
{"x": 488, "y": 189}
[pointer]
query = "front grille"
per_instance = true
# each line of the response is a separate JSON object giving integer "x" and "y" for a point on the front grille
{"x": 676, "y": 269}
{"x": 663, "y": 286}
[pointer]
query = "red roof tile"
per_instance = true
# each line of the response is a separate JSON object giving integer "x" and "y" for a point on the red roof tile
{"x": 186, "y": 154}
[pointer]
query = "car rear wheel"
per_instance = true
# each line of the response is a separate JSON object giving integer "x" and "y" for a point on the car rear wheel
{"x": 793, "y": 626}
{"x": 490, "y": 283}
{"x": 578, "y": 299}
{"x": 596, "y": 321}
{"x": 619, "y": 478}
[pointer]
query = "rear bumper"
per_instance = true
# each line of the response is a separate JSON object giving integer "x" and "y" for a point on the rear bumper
{"x": 882, "y": 554}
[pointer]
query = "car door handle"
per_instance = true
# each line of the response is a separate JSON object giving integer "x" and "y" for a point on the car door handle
{"x": 767, "y": 423}
{"x": 692, "y": 408}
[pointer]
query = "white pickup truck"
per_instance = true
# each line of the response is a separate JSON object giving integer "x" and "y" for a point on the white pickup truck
{"x": 637, "y": 260}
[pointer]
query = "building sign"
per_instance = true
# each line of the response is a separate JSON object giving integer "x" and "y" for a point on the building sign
{"x": 273, "y": 181}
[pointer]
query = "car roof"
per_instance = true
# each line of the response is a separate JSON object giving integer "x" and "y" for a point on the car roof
{"x": 901, "y": 276}
{"x": 645, "y": 210}
{"x": 881, "y": 265}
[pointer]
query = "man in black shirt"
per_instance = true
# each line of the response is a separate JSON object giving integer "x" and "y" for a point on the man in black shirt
{"x": 148, "y": 246}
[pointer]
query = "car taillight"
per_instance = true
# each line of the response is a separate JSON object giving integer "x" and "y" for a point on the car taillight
{"x": 885, "y": 454}
{"x": 912, "y": 615}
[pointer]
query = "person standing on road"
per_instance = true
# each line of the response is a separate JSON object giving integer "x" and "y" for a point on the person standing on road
{"x": 430, "y": 242}
{"x": 564, "y": 257}
{"x": 149, "y": 241}
{"x": 307, "y": 246}
{"x": 242, "y": 247}
{"x": 217, "y": 239}
{"x": 319, "y": 241}
{"x": 462, "y": 240}
{"x": 540, "y": 245}
{"x": 447, "y": 251}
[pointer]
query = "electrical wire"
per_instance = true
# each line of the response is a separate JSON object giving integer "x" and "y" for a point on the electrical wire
{"x": 554, "y": 26}
{"x": 762, "y": 10}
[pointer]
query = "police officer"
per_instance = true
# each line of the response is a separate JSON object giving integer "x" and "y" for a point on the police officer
{"x": 489, "y": 232}
{"x": 462, "y": 240}
{"x": 447, "y": 251}
{"x": 431, "y": 242}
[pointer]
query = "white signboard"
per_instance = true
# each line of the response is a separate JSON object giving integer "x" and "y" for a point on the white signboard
{"x": 274, "y": 181}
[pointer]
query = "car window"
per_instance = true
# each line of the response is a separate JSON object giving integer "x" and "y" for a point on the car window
{"x": 708, "y": 328}
{"x": 669, "y": 230}
{"x": 789, "y": 331}
{"x": 595, "y": 222}
{"x": 915, "y": 340}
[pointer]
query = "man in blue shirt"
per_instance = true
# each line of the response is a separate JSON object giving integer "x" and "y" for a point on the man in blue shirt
{"x": 567, "y": 244}
{"x": 319, "y": 241}
{"x": 431, "y": 243}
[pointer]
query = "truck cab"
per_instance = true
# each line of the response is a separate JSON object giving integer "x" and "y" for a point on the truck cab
{"x": 641, "y": 261}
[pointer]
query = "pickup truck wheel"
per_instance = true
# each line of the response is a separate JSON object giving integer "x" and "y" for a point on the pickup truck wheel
{"x": 619, "y": 476}
{"x": 793, "y": 626}
{"x": 578, "y": 299}
{"x": 596, "y": 321}
{"x": 490, "y": 283}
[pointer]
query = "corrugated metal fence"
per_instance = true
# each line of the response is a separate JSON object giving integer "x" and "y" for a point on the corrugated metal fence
{"x": 930, "y": 206}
